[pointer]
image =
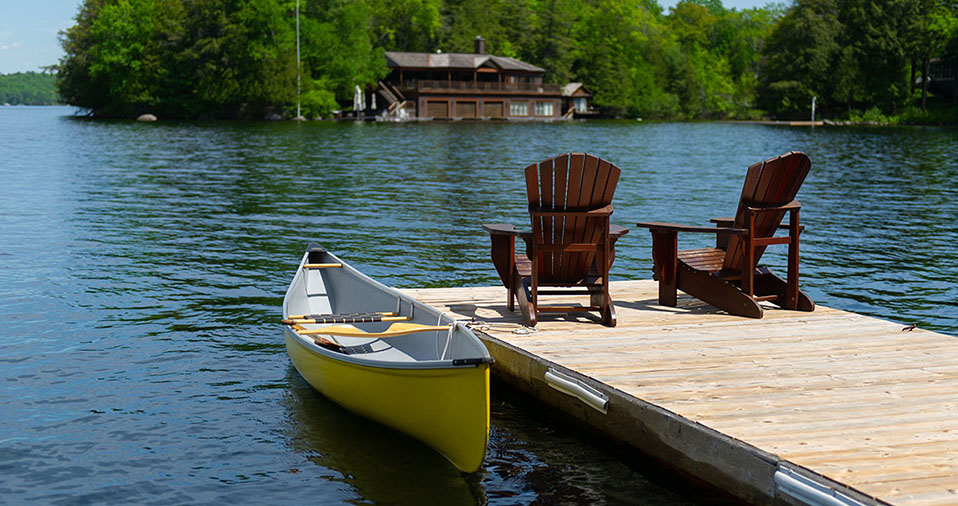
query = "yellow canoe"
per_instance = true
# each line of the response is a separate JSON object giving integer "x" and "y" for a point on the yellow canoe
{"x": 388, "y": 357}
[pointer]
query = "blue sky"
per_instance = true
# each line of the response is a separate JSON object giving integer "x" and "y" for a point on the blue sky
{"x": 28, "y": 30}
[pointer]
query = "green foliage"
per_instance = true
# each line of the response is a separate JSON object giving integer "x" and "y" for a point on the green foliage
{"x": 852, "y": 54}
{"x": 935, "y": 114}
{"x": 872, "y": 115}
{"x": 405, "y": 25}
{"x": 28, "y": 88}
{"x": 232, "y": 58}
{"x": 215, "y": 58}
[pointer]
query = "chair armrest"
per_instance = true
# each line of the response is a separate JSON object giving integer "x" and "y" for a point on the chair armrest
{"x": 784, "y": 207}
{"x": 502, "y": 229}
{"x": 617, "y": 231}
{"x": 674, "y": 227}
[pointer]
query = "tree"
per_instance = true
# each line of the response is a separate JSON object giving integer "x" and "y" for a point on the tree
{"x": 28, "y": 88}
{"x": 405, "y": 25}
{"x": 878, "y": 32}
{"x": 799, "y": 55}
{"x": 337, "y": 52}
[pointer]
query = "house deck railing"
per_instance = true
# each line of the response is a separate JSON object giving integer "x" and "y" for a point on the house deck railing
{"x": 472, "y": 86}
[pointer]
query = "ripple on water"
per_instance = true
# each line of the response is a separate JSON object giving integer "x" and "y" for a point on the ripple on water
{"x": 144, "y": 267}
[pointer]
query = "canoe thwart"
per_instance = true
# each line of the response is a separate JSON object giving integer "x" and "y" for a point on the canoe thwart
{"x": 396, "y": 329}
{"x": 344, "y": 318}
{"x": 321, "y": 266}
{"x": 310, "y": 316}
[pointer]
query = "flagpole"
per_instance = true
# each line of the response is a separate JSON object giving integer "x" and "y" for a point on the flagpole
{"x": 299, "y": 114}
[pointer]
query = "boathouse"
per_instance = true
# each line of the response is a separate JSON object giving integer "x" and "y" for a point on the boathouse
{"x": 578, "y": 99}
{"x": 468, "y": 86}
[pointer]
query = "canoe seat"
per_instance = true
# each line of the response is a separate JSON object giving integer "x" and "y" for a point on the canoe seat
{"x": 345, "y": 318}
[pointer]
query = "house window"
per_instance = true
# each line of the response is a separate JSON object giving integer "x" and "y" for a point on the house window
{"x": 544, "y": 108}
{"x": 518, "y": 108}
{"x": 581, "y": 104}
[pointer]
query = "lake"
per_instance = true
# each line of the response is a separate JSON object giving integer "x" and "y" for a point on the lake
{"x": 144, "y": 264}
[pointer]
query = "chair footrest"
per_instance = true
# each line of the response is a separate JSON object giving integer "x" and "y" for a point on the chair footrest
{"x": 567, "y": 309}
{"x": 568, "y": 292}
{"x": 768, "y": 298}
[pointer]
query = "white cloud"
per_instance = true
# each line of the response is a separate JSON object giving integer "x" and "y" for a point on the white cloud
{"x": 13, "y": 45}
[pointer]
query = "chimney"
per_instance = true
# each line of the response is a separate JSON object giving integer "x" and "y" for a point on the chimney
{"x": 480, "y": 45}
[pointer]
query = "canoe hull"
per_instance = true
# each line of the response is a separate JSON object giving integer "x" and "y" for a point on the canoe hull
{"x": 445, "y": 407}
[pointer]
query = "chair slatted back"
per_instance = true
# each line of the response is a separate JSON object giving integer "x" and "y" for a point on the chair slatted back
{"x": 572, "y": 181}
{"x": 770, "y": 183}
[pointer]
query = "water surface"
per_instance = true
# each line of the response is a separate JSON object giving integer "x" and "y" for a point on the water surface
{"x": 142, "y": 268}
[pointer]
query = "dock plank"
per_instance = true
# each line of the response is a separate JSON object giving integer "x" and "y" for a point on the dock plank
{"x": 858, "y": 400}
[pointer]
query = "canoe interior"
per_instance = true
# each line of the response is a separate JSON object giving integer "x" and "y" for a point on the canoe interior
{"x": 344, "y": 290}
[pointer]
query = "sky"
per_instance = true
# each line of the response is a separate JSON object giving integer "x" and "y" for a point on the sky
{"x": 28, "y": 30}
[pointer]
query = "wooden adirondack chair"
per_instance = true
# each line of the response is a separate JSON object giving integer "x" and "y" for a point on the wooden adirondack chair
{"x": 728, "y": 276}
{"x": 572, "y": 243}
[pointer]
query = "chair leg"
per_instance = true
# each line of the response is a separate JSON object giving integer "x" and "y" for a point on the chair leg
{"x": 665, "y": 247}
{"x": 504, "y": 258}
{"x": 608, "y": 310}
{"x": 791, "y": 292}
{"x": 767, "y": 283}
{"x": 608, "y": 315}
{"x": 526, "y": 306}
{"x": 511, "y": 289}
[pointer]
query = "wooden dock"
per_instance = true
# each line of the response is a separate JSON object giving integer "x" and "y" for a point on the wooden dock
{"x": 828, "y": 407}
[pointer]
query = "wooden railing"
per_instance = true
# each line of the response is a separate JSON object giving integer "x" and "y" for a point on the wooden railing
{"x": 480, "y": 86}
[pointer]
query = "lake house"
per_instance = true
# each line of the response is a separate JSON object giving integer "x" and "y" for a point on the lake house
{"x": 452, "y": 86}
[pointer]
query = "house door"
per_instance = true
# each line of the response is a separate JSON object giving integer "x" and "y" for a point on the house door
{"x": 493, "y": 109}
{"x": 437, "y": 108}
{"x": 466, "y": 109}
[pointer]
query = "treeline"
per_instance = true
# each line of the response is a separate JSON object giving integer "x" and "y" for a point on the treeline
{"x": 232, "y": 58}
{"x": 855, "y": 55}
{"x": 28, "y": 88}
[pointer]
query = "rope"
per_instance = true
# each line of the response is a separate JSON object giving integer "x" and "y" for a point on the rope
{"x": 516, "y": 328}
{"x": 448, "y": 335}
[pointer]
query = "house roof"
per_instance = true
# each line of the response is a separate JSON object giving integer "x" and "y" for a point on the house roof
{"x": 460, "y": 61}
{"x": 569, "y": 89}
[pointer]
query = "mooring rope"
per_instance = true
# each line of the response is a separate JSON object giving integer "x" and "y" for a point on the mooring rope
{"x": 516, "y": 328}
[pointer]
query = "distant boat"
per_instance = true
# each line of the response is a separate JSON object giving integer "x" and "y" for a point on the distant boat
{"x": 388, "y": 357}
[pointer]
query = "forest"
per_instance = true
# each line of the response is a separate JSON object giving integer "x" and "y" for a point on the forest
{"x": 697, "y": 60}
{"x": 28, "y": 88}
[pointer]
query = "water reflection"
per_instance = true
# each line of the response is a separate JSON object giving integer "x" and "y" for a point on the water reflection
{"x": 544, "y": 462}
{"x": 384, "y": 466}
{"x": 144, "y": 266}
